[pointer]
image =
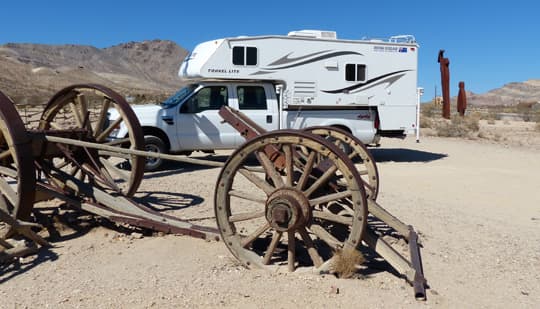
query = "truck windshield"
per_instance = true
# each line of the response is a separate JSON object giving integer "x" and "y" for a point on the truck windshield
{"x": 179, "y": 96}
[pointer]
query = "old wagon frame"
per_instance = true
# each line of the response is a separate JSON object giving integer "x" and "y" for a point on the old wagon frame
{"x": 284, "y": 198}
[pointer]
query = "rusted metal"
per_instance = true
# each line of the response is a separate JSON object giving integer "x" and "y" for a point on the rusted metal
{"x": 419, "y": 282}
{"x": 462, "y": 99}
{"x": 445, "y": 83}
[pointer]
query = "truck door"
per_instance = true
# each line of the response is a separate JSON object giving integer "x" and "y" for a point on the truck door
{"x": 259, "y": 104}
{"x": 199, "y": 126}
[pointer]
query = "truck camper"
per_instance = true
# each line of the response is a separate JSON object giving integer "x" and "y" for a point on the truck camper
{"x": 306, "y": 78}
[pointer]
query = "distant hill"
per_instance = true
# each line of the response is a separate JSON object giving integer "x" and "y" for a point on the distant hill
{"x": 509, "y": 94}
{"x": 32, "y": 73}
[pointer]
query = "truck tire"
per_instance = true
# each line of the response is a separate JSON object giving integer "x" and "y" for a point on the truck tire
{"x": 153, "y": 144}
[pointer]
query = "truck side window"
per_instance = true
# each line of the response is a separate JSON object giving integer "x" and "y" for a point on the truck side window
{"x": 208, "y": 98}
{"x": 251, "y": 97}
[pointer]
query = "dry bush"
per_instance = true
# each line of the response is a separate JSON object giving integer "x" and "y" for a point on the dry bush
{"x": 537, "y": 127}
{"x": 426, "y": 122}
{"x": 345, "y": 262}
{"x": 430, "y": 110}
{"x": 459, "y": 127}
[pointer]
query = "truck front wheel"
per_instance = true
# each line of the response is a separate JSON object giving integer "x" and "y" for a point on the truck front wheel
{"x": 153, "y": 144}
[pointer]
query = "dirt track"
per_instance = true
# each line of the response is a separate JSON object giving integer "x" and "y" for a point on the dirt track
{"x": 476, "y": 206}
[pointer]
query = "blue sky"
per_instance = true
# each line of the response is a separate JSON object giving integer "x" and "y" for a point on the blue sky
{"x": 489, "y": 43}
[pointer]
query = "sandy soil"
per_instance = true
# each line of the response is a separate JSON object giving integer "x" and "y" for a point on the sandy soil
{"x": 475, "y": 203}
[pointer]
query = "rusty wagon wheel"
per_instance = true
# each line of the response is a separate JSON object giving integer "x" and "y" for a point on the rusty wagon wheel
{"x": 17, "y": 173}
{"x": 272, "y": 201}
{"x": 357, "y": 152}
{"x": 98, "y": 113}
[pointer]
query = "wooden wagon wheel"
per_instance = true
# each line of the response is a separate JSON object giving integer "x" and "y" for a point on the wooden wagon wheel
{"x": 281, "y": 216}
{"x": 357, "y": 152}
{"x": 88, "y": 108}
{"x": 17, "y": 173}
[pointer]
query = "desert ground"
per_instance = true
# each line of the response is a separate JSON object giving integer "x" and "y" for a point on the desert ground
{"x": 475, "y": 203}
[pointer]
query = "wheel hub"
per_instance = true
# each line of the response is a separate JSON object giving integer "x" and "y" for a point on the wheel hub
{"x": 287, "y": 209}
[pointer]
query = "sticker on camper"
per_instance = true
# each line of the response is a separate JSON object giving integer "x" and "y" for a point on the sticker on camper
{"x": 386, "y": 49}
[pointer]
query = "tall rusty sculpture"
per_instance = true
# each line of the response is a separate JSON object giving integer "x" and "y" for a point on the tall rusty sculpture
{"x": 445, "y": 82}
{"x": 462, "y": 99}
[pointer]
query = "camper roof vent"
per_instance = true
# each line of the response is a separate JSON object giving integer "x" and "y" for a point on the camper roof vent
{"x": 319, "y": 34}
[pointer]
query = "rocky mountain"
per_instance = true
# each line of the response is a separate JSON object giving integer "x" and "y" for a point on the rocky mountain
{"x": 32, "y": 73}
{"x": 510, "y": 94}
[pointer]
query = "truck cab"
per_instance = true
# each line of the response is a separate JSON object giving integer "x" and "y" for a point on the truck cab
{"x": 189, "y": 119}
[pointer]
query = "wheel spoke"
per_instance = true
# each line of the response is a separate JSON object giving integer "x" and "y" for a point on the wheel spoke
{"x": 276, "y": 237}
{"x": 4, "y": 154}
{"x": 119, "y": 141}
{"x": 111, "y": 168}
{"x": 270, "y": 169}
{"x": 332, "y": 217}
{"x": 257, "y": 181}
{"x": 313, "y": 254}
{"x": 247, "y": 196}
{"x": 288, "y": 164}
{"x": 85, "y": 114}
{"x": 101, "y": 137}
{"x": 330, "y": 240}
{"x": 246, "y": 216}
{"x": 291, "y": 250}
{"x": 8, "y": 172}
{"x": 330, "y": 198}
{"x": 251, "y": 238}
{"x": 8, "y": 191}
{"x": 76, "y": 114}
{"x": 307, "y": 171}
{"x": 323, "y": 179}
{"x": 102, "y": 116}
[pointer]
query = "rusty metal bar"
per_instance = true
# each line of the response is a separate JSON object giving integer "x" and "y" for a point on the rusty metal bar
{"x": 419, "y": 282}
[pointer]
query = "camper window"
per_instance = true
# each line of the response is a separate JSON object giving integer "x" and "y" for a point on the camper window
{"x": 251, "y": 97}
{"x": 243, "y": 55}
{"x": 355, "y": 72}
{"x": 238, "y": 55}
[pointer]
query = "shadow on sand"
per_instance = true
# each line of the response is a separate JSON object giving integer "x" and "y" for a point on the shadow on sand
{"x": 405, "y": 155}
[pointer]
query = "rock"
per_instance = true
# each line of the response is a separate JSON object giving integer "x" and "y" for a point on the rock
{"x": 137, "y": 235}
{"x": 334, "y": 290}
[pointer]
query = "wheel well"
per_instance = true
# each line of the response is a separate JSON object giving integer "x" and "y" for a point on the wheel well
{"x": 342, "y": 127}
{"x": 158, "y": 133}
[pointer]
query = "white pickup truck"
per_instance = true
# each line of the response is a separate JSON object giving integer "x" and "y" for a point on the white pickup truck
{"x": 189, "y": 120}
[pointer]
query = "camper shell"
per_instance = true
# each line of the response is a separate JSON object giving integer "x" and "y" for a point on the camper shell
{"x": 314, "y": 69}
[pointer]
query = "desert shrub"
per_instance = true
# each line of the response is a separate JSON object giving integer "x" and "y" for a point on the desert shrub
{"x": 459, "y": 127}
{"x": 537, "y": 127}
{"x": 491, "y": 116}
{"x": 426, "y": 122}
{"x": 430, "y": 109}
